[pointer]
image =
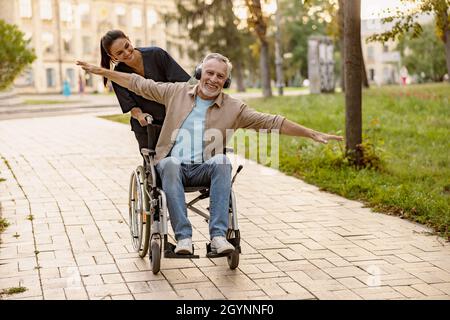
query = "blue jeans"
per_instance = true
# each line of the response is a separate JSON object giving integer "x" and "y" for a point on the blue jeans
{"x": 215, "y": 173}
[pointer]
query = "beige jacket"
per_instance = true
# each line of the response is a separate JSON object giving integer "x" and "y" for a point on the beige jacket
{"x": 226, "y": 115}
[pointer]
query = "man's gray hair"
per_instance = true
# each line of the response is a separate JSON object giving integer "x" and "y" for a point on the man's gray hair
{"x": 219, "y": 57}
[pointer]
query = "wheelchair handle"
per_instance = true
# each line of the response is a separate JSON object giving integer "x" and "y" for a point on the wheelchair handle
{"x": 149, "y": 119}
{"x": 237, "y": 171}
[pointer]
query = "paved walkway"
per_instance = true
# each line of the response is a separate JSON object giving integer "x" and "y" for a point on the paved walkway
{"x": 70, "y": 175}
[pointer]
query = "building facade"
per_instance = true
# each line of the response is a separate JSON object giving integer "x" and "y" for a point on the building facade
{"x": 382, "y": 60}
{"x": 63, "y": 31}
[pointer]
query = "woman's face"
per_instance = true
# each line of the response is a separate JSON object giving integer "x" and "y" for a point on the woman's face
{"x": 122, "y": 50}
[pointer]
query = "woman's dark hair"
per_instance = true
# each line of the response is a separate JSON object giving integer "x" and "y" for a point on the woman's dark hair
{"x": 105, "y": 45}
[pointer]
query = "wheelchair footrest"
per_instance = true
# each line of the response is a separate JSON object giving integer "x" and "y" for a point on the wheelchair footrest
{"x": 169, "y": 252}
{"x": 235, "y": 242}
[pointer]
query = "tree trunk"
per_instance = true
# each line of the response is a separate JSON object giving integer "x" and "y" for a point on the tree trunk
{"x": 447, "y": 51}
{"x": 278, "y": 52}
{"x": 265, "y": 69}
{"x": 341, "y": 40}
{"x": 239, "y": 76}
{"x": 257, "y": 21}
{"x": 353, "y": 94}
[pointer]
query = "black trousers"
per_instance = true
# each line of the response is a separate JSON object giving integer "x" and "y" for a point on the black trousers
{"x": 141, "y": 139}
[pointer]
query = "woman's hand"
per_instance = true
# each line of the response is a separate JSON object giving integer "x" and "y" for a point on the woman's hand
{"x": 141, "y": 118}
{"x": 90, "y": 67}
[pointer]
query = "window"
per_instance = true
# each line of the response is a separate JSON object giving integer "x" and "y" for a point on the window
{"x": 67, "y": 43}
{"x": 370, "y": 53}
{"x": 51, "y": 81}
{"x": 25, "y": 9}
{"x": 83, "y": 12}
{"x": 48, "y": 42}
{"x": 86, "y": 45}
{"x": 26, "y": 79}
{"x": 89, "y": 80}
{"x": 66, "y": 11}
{"x": 138, "y": 43}
{"x": 121, "y": 17}
{"x": 136, "y": 17}
{"x": 180, "y": 51}
{"x": 168, "y": 46}
{"x": 45, "y": 9}
{"x": 386, "y": 74}
{"x": 372, "y": 74}
{"x": 152, "y": 17}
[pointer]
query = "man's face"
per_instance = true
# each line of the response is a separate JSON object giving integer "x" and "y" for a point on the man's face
{"x": 214, "y": 75}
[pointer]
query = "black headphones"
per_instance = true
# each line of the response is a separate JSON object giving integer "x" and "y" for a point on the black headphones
{"x": 198, "y": 75}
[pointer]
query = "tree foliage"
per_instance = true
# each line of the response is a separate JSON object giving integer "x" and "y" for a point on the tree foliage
{"x": 213, "y": 27}
{"x": 416, "y": 53}
{"x": 14, "y": 54}
{"x": 407, "y": 22}
{"x": 258, "y": 23}
{"x": 300, "y": 21}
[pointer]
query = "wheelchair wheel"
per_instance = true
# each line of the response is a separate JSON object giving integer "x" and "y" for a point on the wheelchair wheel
{"x": 139, "y": 229}
{"x": 155, "y": 256}
{"x": 233, "y": 258}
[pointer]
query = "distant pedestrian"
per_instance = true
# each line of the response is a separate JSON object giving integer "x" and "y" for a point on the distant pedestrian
{"x": 404, "y": 75}
{"x": 66, "y": 88}
{"x": 80, "y": 85}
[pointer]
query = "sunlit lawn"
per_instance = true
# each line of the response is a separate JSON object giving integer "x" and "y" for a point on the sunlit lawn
{"x": 48, "y": 101}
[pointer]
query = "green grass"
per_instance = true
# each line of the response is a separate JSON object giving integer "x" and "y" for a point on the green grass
{"x": 122, "y": 118}
{"x": 409, "y": 128}
{"x": 14, "y": 290}
{"x": 39, "y": 102}
{"x": 274, "y": 90}
{"x": 3, "y": 224}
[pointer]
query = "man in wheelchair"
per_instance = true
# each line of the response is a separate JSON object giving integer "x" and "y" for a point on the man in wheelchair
{"x": 189, "y": 152}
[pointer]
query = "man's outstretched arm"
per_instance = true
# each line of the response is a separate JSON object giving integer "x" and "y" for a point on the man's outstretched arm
{"x": 293, "y": 129}
{"x": 121, "y": 78}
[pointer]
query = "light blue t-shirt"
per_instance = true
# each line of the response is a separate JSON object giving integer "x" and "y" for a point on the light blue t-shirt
{"x": 188, "y": 145}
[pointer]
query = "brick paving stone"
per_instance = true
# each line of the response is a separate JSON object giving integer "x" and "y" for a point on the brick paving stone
{"x": 408, "y": 292}
{"x": 427, "y": 289}
{"x": 297, "y": 242}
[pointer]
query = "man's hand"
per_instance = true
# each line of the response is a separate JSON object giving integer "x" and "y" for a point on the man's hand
{"x": 324, "y": 138}
{"x": 294, "y": 129}
{"x": 90, "y": 68}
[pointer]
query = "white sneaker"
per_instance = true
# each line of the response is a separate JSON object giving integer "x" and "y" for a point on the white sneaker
{"x": 184, "y": 246}
{"x": 221, "y": 245}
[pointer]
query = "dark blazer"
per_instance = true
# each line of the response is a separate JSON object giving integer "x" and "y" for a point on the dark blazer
{"x": 158, "y": 66}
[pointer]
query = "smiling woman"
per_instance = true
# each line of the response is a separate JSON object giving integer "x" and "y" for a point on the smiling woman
{"x": 151, "y": 63}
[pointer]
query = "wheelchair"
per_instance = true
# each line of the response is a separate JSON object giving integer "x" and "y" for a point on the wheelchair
{"x": 149, "y": 216}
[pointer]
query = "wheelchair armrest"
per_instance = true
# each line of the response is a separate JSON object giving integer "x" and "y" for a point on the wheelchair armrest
{"x": 148, "y": 152}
